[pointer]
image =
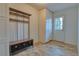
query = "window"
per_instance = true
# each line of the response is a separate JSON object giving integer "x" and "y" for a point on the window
{"x": 59, "y": 23}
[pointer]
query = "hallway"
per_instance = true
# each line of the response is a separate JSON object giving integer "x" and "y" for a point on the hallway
{"x": 23, "y": 25}
{"x": 52, "y": 48}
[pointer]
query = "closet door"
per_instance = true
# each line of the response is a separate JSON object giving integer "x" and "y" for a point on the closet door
{"x": 26, "y": 34}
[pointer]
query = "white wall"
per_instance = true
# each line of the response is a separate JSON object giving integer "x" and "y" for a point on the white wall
{"x": 33, "y": 19}
{"x": 4, "y": 36}
{"x": 69, "y": 33}
{"x": 78, "y": 32}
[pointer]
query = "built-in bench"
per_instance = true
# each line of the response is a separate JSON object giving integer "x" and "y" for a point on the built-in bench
{"x": 20, "y": 45}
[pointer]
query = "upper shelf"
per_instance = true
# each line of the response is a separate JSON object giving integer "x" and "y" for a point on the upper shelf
{"x": 19, "y": 13}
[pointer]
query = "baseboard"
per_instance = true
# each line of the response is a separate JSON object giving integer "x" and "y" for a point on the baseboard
{"x": 66, "y": 43}
{"x": 38, "y": 43}
{"x": 48, "y": 41}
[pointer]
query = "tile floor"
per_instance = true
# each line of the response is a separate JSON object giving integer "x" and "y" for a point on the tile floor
{"x": 50, "y": 49}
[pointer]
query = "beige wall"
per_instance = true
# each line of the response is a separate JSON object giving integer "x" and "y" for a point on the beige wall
{"x": 33, "y": 19}
{"x": 42, "y": 25}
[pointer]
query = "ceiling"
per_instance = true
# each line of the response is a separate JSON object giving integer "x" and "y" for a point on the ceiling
{"x": 59, "y": 6}
{"x": 38, "y": 5}
{"x": 52, "y": 6}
